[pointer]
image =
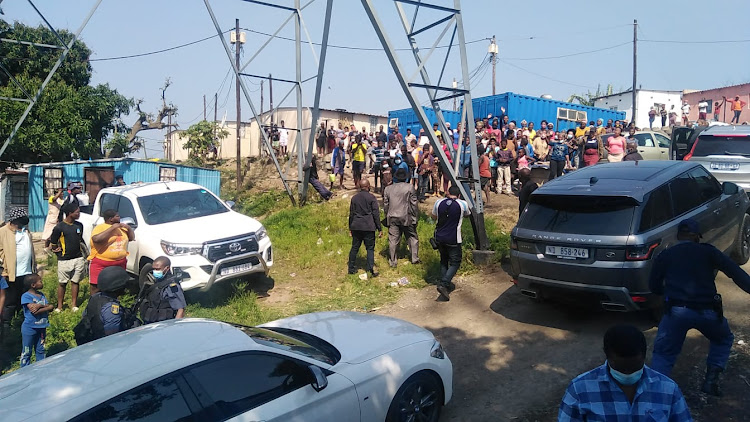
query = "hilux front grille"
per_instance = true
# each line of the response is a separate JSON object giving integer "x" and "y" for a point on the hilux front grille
{"x": 230, "y": 247}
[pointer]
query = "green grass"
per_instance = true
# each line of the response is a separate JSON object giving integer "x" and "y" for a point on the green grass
{"x": 311, "y": 247}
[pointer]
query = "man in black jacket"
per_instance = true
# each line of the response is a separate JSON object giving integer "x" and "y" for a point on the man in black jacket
{"x": 364, "y": 219}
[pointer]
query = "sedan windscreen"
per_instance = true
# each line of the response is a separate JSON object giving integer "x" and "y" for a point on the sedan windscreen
{"x": 593, "y": 215}
{"x": 722, "y": 145}
{"x": 179, "y": 205}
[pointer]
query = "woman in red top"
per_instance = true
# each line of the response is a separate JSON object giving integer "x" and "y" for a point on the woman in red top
{"x": 485, "y": 175}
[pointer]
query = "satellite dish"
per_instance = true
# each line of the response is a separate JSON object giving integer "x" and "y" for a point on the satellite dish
{"x": 547, "y": 97}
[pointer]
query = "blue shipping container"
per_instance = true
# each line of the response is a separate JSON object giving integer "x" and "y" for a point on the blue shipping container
{"x": 407, "y": 119}
{"x": 132, "y": 170}
{"x": 534, "y": 109}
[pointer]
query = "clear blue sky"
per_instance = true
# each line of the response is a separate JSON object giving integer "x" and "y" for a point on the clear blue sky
{"x": 360, "y": 80}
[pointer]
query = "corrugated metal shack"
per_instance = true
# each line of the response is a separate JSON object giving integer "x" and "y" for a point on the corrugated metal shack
{"x": 534, "y": 109}
{"x": 45, "y": 179}
{"x": 407, "y": 119}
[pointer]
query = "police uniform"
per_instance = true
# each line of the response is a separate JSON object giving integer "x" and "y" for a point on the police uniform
{"x": 104, "y": 315}
{"x": 163, "y": 301}
{"x": 684, "y": 274}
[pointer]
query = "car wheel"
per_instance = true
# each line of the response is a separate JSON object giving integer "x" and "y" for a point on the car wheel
{"x": 741, "y": 250}
{"x": 420, "y": 398}
{"x": 145, "y": 276}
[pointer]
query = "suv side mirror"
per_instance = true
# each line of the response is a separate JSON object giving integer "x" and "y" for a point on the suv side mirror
{"x": 319, "y": 378}
{"x": 129, "y": 221}
{"x": 729, "y": 188}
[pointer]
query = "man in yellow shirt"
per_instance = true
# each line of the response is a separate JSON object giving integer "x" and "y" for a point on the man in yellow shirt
{"x": 109, "y": 246}
{"x": 359, "y": 152}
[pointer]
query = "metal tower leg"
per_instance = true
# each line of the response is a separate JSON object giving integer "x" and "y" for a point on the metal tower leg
{"x": 454, "y": 18}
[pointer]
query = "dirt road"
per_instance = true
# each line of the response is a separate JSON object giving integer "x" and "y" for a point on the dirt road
{"x": 513, "y": 358}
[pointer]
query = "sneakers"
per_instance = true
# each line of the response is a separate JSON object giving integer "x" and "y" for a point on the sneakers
{"x": 444, "y": 292}
{"x": 58, "y": 310}
{"x": 74, "y": 309}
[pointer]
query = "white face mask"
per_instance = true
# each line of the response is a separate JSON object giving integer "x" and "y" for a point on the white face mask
{"x": 570, "y": 136}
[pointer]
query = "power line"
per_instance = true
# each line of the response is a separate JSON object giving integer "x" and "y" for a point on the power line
{"x": 544, "y": 76}
{"x": 164, "y": 50}
{"x": 571, "y": 54}
{"x": 696, "y": 42}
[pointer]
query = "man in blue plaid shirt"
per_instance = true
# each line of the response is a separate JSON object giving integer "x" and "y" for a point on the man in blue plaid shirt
{"x": 624, "y": 389}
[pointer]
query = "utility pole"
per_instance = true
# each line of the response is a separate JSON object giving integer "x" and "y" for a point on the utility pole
{"x": 237, "y": 46}
{"x": 260, "y": 121}
{"x": 455, "y": 99}
{"x": 204, "y": 106}
{"x": 169, "y": 138}
{"x": 270, "y": 96}
{"x": 216, "y": 103}
{"x": 492, "y": 49}
{"x": 635, "y": 65}
{"x": 298, "y": 136}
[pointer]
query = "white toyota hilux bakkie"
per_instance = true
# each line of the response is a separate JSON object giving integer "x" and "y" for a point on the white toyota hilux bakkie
{"x": 201, "y": 235}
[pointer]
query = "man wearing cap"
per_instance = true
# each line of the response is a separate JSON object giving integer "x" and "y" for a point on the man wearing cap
{"x": 17, "y": 260}
{"x": 164, "y": 299}
{"x": 104, "y": 315}
{"x": 401, "y": 213}
{"x": 684, "y": 275}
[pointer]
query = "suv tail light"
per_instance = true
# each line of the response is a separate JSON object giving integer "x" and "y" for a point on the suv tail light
{"x": 513, "y": 243}
{"x": 690, "y": 154}
{"x": 640, "y": 252}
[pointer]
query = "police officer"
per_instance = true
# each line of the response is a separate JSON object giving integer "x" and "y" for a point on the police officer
{"x": 165, "y": 299}
{"x": 684, "y": 274}
{"x": 104, "y": 315}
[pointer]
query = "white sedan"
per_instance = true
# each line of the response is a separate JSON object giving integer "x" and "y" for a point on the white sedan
{"x": 328, "y": 366}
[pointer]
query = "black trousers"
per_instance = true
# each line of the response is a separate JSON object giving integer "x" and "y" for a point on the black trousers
{"x": 358, "y": 237}
{"x": 556, "y": 168}
{"x": 13, "y": 299}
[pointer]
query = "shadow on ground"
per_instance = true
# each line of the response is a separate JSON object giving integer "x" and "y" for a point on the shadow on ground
{"x": 220, "y": 293}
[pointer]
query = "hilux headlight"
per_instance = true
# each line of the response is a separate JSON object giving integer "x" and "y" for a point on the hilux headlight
{"x": 437, "y": 350}
{"x": 261, "y": 233}
{"x": 173, "y": 249}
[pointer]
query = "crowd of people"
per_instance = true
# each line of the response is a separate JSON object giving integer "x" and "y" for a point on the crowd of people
{"x": 21, "y": 284}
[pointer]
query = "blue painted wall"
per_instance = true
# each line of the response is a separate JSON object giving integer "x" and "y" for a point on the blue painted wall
{"x": 535, "y": 109}
{"x": 407, "y": 119}
{"x": 131, "y": 170}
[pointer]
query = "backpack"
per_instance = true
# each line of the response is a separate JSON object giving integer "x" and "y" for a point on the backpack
{"x": 154, "y": 307}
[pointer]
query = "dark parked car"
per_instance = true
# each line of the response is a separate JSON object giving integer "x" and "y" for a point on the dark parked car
{"x": 683, "y": 138}
{"x": 591, "y": 235}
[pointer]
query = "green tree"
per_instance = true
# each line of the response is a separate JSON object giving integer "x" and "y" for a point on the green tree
{"x": 203, "y": 137}
{"x": 72, "y": 119}
{"x": 589, "y": 97}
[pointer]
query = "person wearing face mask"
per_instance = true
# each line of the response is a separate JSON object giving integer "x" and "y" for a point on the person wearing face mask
{"x": 17, "y": 259}
{"x": 164, "y": 299}
{"x": 623, "y": 388}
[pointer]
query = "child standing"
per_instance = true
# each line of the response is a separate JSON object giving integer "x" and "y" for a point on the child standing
{"x": 35, "y": 311}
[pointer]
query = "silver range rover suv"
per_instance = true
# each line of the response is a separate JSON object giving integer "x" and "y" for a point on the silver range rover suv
{"x": 591, "y": 235}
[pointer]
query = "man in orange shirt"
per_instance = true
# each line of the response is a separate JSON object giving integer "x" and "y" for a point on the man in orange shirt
{"x": 736, "y": 107}
{"x": 109, "y": 246}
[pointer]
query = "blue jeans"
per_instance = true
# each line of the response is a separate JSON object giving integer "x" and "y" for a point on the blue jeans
{"x": 450, "y": 262}
{"x": 676, "y": 323}
{"x": 33, "y": 341}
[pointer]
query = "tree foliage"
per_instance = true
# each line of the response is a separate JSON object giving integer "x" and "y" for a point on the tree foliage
{"x": 72, "y": 119}
{"x": 589, "y": 98}
{"x": 203, "y": 137}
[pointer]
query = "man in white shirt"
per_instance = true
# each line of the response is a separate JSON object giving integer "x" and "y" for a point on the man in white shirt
{"x": 409, "y": 137}
{"x": 283, "y": 139}
{"x": 702, "y": 109}
{"x": 685, "y": 113}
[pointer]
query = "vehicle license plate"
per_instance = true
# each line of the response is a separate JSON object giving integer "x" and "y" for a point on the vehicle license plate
{"x": 565, "y": 252}
{"x": 236, "y": 269}
{"x": 725, "y": 166}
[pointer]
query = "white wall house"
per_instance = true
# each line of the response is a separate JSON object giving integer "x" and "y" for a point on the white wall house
{"x": 645, "y": 99}
{"x": 250, "y": 138}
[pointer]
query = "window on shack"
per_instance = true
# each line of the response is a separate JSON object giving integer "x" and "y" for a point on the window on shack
{"x": 19, "y": 192}
{"x": 167, "y": 174}
{"x": 53, "y": 181}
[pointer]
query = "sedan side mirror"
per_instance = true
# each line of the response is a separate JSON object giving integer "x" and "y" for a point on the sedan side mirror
{"x": 320, "y": 381}
{"x": 230, "y": 204}
{"x": 129, "y": 221}
{"x": 729, "y": 188}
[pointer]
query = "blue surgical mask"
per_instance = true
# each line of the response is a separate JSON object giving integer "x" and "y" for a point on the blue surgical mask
{"x": 626, "y": 379}
{"x": 158, "y": 274}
